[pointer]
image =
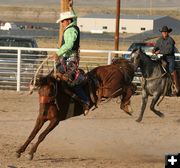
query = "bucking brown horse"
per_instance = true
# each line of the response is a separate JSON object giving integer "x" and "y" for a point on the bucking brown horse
{"x": 57, "y": 102}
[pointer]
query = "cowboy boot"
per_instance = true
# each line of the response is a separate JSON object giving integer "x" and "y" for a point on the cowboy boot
{"x": 175, "y": 81}
{"x": 86, "y": 108}
{"x": 85, "y": 105}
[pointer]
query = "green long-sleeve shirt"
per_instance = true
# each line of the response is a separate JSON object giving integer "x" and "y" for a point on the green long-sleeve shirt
{"x": 70, "y": 36}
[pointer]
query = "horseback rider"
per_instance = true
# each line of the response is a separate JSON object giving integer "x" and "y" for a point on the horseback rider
{"x": 165, "y": 45}
{"x": 68, "y": 53}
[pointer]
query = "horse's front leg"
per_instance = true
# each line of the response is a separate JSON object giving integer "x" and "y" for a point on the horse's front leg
{"x": 143, "y": 105}
{"x": 39, "y": 123}
{"x": 53, "y": 123}
{"x": 153, "y": 103}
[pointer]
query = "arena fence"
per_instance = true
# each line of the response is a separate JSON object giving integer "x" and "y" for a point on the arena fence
{"x": 18, "y": 64}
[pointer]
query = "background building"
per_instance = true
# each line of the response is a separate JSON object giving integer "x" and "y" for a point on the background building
{"x": 128, "y": 23}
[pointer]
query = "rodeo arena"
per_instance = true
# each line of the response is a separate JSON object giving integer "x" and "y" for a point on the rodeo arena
{"x": 75, "y": 107}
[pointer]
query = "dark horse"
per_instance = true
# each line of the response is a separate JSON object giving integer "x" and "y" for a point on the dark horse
{"x": 57, "y": 102}
{"x": 156, "y": 81}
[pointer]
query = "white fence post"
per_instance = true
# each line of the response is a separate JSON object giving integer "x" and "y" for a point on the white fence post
{"x": 109, "y": 58}
{"x": 18, "y": 69}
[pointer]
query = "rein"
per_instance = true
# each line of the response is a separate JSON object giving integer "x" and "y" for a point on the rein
{"x": 165, "y": 72}
{"x": 154, "y": 78}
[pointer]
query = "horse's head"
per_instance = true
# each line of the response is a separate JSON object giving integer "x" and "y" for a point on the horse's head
{"x": 38, "y": 81}
{"x": 135, "y": 57}
{"x": 46, "y": 87}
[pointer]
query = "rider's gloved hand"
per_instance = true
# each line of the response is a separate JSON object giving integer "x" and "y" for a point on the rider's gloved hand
{"x": 155, "y": 52}
{"x": 54, "y": 57}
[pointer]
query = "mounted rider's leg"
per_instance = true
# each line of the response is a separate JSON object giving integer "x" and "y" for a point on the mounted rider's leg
{"x": 175, "y": 81}
{"x": 72, "y": 67}
{"x": 85, "y": 100}
{"x": 70, "y": 71}
{"x": 172, "y": 71}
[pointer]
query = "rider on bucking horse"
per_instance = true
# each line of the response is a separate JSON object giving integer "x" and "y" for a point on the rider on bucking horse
{"x": 68, "y": 54}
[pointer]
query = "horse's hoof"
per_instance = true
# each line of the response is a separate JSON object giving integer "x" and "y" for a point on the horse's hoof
{"x": 128, "y": 110}
{"x": 29, "y": 156}
{"x": 129, "y": 113}
{"x": 138, "y": 120}
{"x": 162, "y": 115}
{"x": 18, "y": 155}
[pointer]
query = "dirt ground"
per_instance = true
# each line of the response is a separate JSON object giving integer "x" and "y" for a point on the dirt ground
{"x": 106, "y": 138}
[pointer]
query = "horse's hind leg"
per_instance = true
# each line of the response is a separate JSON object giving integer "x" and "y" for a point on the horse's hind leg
{"x": 153, "y": 103}
{"x": 53, "y": 123}
{"x": 38, "y": 126}
{"x": 143, "y": 105}
{"x": 125, "y": 101}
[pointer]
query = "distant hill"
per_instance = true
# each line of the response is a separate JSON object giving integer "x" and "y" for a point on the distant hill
{"x": 103, "y": 3}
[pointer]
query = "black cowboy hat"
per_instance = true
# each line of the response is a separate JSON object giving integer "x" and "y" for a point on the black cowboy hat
{"x": 165, "y": 29}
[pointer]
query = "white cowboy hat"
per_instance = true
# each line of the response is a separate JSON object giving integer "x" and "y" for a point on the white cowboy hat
{"x": 66, "y": 15}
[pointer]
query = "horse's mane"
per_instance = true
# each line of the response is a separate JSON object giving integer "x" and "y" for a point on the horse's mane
{"x": 148, "y": 57}
{"x": 44, "y": 80}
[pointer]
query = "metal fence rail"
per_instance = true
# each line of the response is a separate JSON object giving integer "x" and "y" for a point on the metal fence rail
{"x": 18, "y": 65}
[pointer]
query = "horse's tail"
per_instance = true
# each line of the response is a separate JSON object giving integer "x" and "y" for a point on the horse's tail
{"x": 91, "y": 93}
